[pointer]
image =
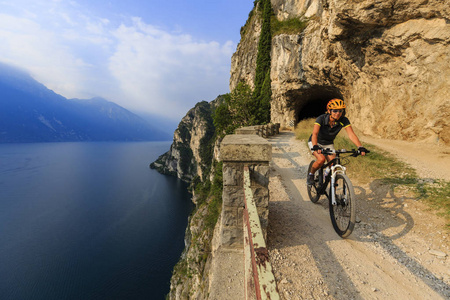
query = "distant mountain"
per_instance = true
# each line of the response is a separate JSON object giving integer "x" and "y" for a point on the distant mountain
{"x": 162, "y": 123}
{"x": 30, "y": 112}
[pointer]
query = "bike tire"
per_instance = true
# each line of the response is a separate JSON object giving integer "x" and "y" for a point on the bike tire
{"x": 313, "y": 190}
{"x": 343, "y": 214}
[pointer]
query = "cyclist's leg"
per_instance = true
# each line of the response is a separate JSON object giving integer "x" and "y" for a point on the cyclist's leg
{"x": 314, "y": 166}
{"x": 320, "y": 160}
{"x": 312, "y": 187}
{"x": 330, "y": 157}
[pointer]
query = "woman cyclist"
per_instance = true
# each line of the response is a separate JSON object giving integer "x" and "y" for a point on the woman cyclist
{"x": 325, "y": 130}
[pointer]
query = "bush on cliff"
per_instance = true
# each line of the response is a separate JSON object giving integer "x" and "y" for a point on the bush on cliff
{"x": 244, "y": 107}
{"x": 239, "y": 109}
{"x": 262, "y": 92}
{"x": 206, "y": 147}
{"x": 289, "y": 26}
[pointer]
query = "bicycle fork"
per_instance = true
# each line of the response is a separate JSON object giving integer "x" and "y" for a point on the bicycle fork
{"x": 337, "y": 169}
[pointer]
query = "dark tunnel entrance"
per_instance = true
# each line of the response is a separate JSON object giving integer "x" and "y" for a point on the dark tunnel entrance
{"x": 312, "y": 102}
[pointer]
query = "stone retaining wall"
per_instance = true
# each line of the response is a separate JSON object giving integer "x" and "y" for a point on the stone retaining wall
{"x": 237, "y": 151}
{"x": 261, "y": 130}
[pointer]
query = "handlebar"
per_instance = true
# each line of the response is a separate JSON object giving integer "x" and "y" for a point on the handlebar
{"x": 355, "y": 152}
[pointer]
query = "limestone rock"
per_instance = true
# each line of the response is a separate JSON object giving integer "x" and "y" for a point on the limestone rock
{"x": 190, "y": 154}
{"x": 389, "y": 60}
{"x": 243, "y": 61}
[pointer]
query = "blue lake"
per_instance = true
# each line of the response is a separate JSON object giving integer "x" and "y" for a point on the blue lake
{"x": 88, "y": 221}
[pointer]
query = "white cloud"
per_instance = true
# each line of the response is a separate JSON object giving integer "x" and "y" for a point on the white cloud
{"x": 137, "y": 65}
{"x": 166, "y": 72}
{"x": 27, "y": 44}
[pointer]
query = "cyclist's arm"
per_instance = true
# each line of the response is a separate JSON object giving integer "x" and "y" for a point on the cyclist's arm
{"x": 314, "y": 136}
{"x": 352, "y": 136}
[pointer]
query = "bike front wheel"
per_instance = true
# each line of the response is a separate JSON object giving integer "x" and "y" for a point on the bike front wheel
{"x": 313, "y": 190}
{"x": 343, "y": 214}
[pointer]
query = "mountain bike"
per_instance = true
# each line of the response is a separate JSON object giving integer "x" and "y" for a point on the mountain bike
{"x": 339, "y": 190}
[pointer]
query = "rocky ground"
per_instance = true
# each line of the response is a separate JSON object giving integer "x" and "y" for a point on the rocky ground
{"x": 399, "y": 250}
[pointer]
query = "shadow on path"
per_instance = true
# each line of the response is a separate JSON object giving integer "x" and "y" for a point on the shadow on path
{"x": 386, "y": 200}
{"x": 285, "y": 217}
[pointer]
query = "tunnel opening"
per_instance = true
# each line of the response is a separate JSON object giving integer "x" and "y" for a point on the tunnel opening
{"x": 312, "y": 102}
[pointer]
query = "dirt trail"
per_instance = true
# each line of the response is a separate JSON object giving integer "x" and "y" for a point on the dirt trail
{"x": 430, "y": 161}
{"x": 399, "y": 250}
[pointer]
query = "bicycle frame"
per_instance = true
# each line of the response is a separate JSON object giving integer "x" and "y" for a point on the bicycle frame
{"x": 336, "y": 168}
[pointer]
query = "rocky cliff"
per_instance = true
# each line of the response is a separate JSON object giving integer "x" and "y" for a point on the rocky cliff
{"x": 389, "y": 60}
{"x": 193, "y": 158}
{"x": 192, "y": 151}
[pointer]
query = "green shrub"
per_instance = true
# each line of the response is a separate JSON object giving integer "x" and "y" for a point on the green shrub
{"x": 222, "y": 120}
{"x": 238, "y": 110}
{"x": 206, "y": 148}
{"x": 210, "y": 194}
{"x": 289, "y": 26}
{"x": 263, "y": 101}
{"x": 244, "y": 107}
{"x": 263, "y": 61}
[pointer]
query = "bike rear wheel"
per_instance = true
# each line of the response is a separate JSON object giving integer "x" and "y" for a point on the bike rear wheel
{"x": 313, "y": 190}
{"x": 343, "y": 214}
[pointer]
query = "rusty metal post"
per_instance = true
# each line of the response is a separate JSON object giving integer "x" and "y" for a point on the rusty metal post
{"x": 260, "y": 281}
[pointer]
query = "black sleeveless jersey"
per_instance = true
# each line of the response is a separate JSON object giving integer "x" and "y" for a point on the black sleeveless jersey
{"x": 327, "y": 134}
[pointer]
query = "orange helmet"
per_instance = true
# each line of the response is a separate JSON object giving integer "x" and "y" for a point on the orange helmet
{"x": 336, "y": 104}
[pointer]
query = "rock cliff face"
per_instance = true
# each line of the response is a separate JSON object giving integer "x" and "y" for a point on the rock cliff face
{"x": 191, "y": 158}
{"x": 192, "y": 150}
{"x": 389, "y": 60}
{"x": 191, "y": 274}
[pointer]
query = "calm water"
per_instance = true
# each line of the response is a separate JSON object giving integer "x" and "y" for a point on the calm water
{"x": 88, "y": 221}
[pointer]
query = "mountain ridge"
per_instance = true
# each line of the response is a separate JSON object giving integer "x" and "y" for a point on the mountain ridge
{"x": 30, "y": 112}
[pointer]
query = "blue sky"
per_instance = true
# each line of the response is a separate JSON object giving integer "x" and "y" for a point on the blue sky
{"x": 158, "y": 57}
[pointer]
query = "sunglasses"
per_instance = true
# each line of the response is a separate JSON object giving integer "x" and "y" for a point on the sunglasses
{"x": 337, "y": 111}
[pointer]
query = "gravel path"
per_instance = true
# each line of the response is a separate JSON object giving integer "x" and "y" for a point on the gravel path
{"x": 399, "y": 250}
{"x": 430, "y": 161}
